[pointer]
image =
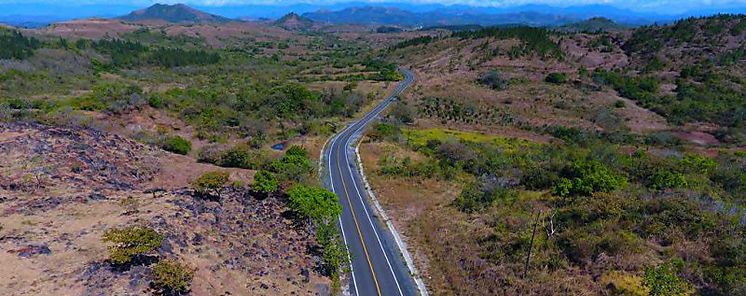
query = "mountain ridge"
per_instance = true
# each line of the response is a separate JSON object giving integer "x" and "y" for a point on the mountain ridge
{"x": 176, "y": 13}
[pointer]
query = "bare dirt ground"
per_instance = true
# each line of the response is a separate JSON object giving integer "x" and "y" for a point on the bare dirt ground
{"x": 61, "y": 188}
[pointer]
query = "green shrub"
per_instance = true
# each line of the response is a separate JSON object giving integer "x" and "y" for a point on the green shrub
{"x": 664, "y": 179}
{"x": 663, "y": 281}
{"x": 474, "y": 197}
{"x": 211, "y": 183}
{"x": 334, "y": 254}
{"x": 131, "y": 241}
{"x": 619, "y": 104}
{"x": 243, "y": 157}
{"x": 296, "y": 150}
{"x": 313, "y": 202}
{"x": 384, "y": 131}
{"x": 586, "y": 177}
{"x": 265, "y": 182}
{"x": 155, "y": 101}
{"x": 295, "y": 165}
{"x": 177, "y": 144}
{"x": 556, "y": 78}
{"x": 172, "y": 277}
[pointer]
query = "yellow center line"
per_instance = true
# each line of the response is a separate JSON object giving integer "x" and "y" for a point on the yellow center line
{"x": 357, "y": 225}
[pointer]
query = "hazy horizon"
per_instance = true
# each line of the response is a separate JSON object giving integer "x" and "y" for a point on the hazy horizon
{"x": 41, "y": 12}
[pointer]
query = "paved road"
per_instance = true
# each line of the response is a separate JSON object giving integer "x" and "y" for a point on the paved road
{"x": 377, "y": 264}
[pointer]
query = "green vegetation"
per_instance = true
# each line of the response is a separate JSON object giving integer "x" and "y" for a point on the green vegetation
{"x": 129, "y": 242}
{"x": 535, "y": 40}
{"x": 413, "y": 42}
{"x": 265, "y": 182}
{"x": 556, "y": 78}
{"x": 294, "y": 166}
{"x": 322, "y": 207}
{"x": 710, "y": 99}
{"x": 177, "y": 144}
{"x": 13, "y": 45}
{"x": 315, "y": 203}
{"x": 662, "y": 280}
{"x": 171, "y": 277}
{"x": 606, "y": 200}
{"x": 585, "y": 178}
{"x": 211, "y": 183}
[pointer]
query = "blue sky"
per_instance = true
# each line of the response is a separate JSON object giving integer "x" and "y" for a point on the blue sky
{"x": 87, "y": 8}
{"x": 640, "y": 4}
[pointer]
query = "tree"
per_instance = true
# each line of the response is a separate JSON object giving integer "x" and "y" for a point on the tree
{"x": 265, "y": 182}
{"x": 172, "y": 277}
{"x": 211, "y": 183}
{"x": 131, "y": 241}
{"x": 315, "y": 203}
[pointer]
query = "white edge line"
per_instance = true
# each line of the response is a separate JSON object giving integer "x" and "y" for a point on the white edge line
{"x": 339, "y": 218}
{"x": 395, "y": 233}
{"x": 365, "y": 208}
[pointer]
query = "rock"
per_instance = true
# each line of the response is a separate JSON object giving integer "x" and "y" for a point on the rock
{"x": 32, "y": 251}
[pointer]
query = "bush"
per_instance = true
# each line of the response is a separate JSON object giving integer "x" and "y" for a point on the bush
{"x": 177, "y": 145}
{"x": 313, "y": 202}
{"x": 664, "y": 179}
{"x": 293, "y": 166}
{"x": 296, "y": 150}
{"x": 384, "y": 131}
{"x": 171, "y": 277}
{"x": 155, "y": 101}
{"x": 210, "y": 154}
{"x": 619, "y": 104}
{"x": 584, "y": 178}
{"x": 493, "y": 80}
{"x": 211, "y": 183}
{"x": 663, "y": 281}
{"x": 556, "y": 78}
{"x": 131, "y": 241}
{"x": 265, "y": 182}
{"x": 241, "y": 156}
{"x": 334, "y": 254}
{"x": 403, "y": 113}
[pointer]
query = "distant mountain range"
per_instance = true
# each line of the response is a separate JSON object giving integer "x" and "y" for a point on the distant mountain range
{"x": 177, "y": 13}
{"x": 394, "y": 16}
{"x": 382, "y": 13}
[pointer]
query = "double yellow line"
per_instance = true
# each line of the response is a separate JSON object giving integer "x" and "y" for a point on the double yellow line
{"x": 357, "y": 225}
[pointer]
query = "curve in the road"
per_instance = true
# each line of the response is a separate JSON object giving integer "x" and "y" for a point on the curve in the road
{"x": 376, "y": 265}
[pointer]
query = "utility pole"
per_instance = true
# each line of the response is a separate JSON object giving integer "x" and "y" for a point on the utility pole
{"x": 531, "y": 245}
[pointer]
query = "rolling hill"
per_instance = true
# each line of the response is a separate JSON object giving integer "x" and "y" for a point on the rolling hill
{"x": 177, "y": 13}
{"x": 292, "y": 21}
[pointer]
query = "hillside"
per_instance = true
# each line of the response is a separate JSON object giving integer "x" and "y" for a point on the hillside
{"x": 593, "y": 25}
{"x": 176, "y": 13}
{"x": 567, "y": 158}
{"x": 602, "y": 155}
{"x": 293, "y": 22}
{"x": 68, "y": 186}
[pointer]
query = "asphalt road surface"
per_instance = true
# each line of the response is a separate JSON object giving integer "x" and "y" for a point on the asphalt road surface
{"x": 376, "y": 263}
